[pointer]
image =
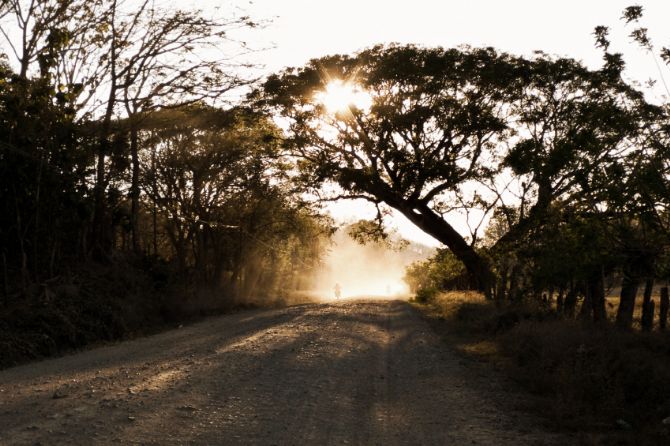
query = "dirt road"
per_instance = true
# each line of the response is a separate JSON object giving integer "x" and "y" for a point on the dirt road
{"x": 362, "y": 372}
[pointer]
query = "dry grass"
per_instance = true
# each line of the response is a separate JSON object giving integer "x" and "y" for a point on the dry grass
{"x": 612, "y": 303}
{"x": 596, "y": 380}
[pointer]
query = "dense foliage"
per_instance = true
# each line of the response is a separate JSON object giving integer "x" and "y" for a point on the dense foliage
{"x": 571, "y": 162}
{"x": 475, "y": 130}
{"x": 442, "y": 271}
{"x": 115, "y": 142}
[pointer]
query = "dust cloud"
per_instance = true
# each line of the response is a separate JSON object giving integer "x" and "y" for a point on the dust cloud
{"x": 373, "y": 270}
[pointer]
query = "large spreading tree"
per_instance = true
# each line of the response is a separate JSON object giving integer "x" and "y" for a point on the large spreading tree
{"x": 429, "y": 131}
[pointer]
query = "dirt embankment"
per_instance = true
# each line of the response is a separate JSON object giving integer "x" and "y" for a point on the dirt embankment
{"x": 362, "y": 372}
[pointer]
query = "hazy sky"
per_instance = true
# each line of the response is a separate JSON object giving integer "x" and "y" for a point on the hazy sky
{"x": 304, "y": 29}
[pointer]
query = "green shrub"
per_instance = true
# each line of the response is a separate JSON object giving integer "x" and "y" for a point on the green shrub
{"x": 426, "y": 295}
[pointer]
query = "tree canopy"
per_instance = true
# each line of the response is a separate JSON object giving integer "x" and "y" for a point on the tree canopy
{"x": 453, "y": 129}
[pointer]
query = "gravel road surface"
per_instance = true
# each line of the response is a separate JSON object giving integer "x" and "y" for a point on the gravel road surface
{"x": 366, "y": 372}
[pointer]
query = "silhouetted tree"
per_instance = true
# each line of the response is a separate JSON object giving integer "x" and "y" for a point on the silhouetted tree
{"x": 643, "y": 195}
{"x": 43, "y": 183}
{"x": 443, "y": 122}
{"x": 222, "y": 193}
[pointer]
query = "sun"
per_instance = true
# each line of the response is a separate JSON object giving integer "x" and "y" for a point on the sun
{"x": 340, "y": 96}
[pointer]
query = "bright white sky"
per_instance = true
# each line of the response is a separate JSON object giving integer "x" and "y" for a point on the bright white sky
{"x": 305, "y": 29}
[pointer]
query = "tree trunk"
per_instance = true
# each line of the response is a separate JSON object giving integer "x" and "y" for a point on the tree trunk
{"x": 663, "y": 311}
{"x": 5, "y": 277}
{"x": 176, "y": 237}
{"x": 52, "y": 259}
{"x": 99, "y": 233}
{"x": 586, "y": 311}
{"x": 502, "y": 285}
{"x": 624, "y": 316}
{"x": 647, "y": 320}
{"x": 597, "y": 291}
{"x": 479, "y": 270}
{"x": 648, "y": 316}
{"x": 101, "y": 240}
{"x": 135, "y": 190}
{"x": 514, "y": 283}
{"x": 36, "y": 226}
{"x": 154, "y": 205}
{"x": 570, "y": 301}
{"x": 559, "y": 302}
{"x": 25, "y": 275}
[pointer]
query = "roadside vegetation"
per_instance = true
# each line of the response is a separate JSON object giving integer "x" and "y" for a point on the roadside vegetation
{"x": 606, "y": 385}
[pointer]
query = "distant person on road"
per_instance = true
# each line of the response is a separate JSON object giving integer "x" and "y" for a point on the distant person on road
{"x": 338, "y": 291}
